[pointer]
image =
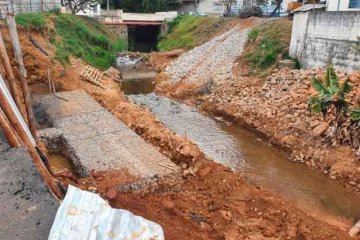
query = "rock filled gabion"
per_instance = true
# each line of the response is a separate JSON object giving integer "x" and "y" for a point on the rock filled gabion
{"x": 210, "y": 61}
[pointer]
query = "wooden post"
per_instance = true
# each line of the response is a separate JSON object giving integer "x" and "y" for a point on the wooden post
{"x": 8, "y": 131}
{"x": 12, "y": 116}
{"x": 2, "y": 72}
{"x": 10, "y": 76}
{"x": 22, "y": 73}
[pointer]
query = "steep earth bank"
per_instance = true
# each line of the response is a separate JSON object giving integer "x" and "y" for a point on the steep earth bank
{"x": 211, "y": 203}
{"x": 213, "y": 77}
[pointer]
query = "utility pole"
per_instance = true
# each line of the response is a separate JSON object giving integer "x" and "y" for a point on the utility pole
{"x": 107, "y": 7}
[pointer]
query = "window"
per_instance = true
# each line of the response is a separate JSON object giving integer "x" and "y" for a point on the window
{"x": 354, "y": 3}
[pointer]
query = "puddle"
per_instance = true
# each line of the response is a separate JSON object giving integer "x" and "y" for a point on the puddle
{"x": 143, "y": 86}
{"x": 243, "y": 151}
{"x": 60, "y": 164}
{"x": 136, "y": 76}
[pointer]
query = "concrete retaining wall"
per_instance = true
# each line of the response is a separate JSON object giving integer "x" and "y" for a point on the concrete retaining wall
{"x": 319, "y": 38}
{"x": 120, "y": 30}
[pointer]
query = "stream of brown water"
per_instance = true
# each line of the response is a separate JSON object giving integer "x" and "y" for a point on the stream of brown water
{"x": 263, "y": 164}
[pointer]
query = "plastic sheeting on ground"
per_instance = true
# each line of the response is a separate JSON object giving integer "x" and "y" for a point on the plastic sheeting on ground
{"x": 86, "y": 216}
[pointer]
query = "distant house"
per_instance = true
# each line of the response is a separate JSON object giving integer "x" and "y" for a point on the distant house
{"x": 203, "y": 7}
{"x": 211, "y": 7}
{"x": 188, "y": 6}
{"x": 343, "y": 5}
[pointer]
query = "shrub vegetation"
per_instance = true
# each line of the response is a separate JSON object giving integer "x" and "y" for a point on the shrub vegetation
{"x": 267, "y": 44}
{"x": 190, "y": 31}
{"x": 81, "y": 37}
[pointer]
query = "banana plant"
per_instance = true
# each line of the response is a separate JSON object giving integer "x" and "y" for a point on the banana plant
{"x": 355, "y": 114}
{"x": 330, "y": 93}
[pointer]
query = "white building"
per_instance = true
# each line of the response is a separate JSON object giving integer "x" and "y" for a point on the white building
{"x": 203, "y": 7}
{"x": 211, "y": 7}
{"x": 343, "y": 5}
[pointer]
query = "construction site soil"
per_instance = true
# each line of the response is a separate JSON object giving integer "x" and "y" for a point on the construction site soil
{"x": 212, "y": 202}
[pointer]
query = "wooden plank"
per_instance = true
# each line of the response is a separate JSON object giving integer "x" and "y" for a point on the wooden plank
{"x": 11, "y": 115}
{"x": 8, "y": 131}
{"x": 10, "y": 76}
{"x": 22, "y": 73}
{"x": 2, "y": 72}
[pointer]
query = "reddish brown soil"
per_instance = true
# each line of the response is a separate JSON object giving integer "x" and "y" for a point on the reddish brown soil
{"x": 212, "y": 203}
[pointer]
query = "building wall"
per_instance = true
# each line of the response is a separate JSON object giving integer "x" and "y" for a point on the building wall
{"x": 187, "y": 7}
{"x": 120, "y": 30}
{"x": 25, "y": 6}
{"x": 343, "y": 5}
{"x": 211, "y": 7}
{"x": 319, "y": 38}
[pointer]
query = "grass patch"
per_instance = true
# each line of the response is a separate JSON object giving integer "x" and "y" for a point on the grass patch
{"x": 253, "y": 34}
{"x": 86, "y": 39}
{"x": 267, "y": 44}
{"x": 31, "y": 20}
{"x": 190, "y": 31}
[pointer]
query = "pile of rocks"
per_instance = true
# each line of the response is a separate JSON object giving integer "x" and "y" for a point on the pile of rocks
{"x": 210, "y": 61}
{"x": 278, "y": 106}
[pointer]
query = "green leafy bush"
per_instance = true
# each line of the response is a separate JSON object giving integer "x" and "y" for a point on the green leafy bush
{"x": 330, "y": 93}
{"x": 331, "y": 98}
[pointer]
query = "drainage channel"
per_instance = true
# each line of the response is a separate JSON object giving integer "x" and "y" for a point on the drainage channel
{"x": 265, "y": 165}
{"x": 242, "y": 151}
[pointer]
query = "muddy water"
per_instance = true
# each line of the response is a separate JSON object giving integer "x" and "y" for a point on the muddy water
{"x": 136, "y": 76}
{"x": 59, "y": 164}
{"x": 243, "y": 151}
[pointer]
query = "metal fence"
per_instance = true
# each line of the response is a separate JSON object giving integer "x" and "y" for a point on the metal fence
{"x": 26, "y": 6}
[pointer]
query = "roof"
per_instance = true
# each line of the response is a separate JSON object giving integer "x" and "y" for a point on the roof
{"x": 310, "y": 7}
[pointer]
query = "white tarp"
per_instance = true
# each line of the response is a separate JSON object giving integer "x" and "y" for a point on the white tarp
{"x": 86, "y": 216}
